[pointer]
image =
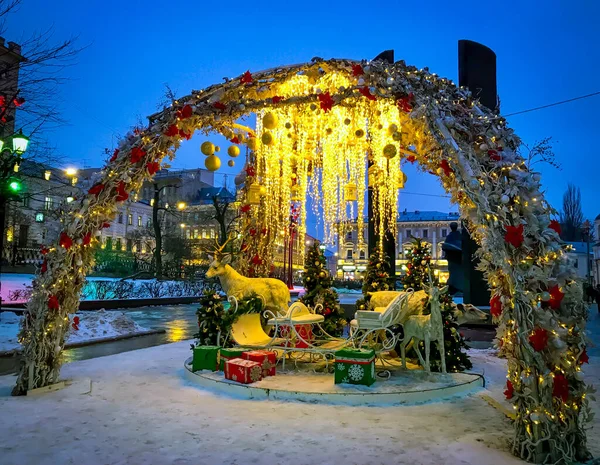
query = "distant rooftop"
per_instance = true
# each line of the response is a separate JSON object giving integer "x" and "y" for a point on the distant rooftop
{"x": 206, "y": 194}
{"x": 417, "y": 215}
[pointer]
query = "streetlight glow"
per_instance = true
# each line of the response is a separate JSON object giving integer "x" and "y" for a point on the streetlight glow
{"x": 19, "y": 142}
{"x": 181, "y": 206}
{"x": 71, "y": 171}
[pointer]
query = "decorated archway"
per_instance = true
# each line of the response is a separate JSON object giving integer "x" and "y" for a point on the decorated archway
{"x": 321, "y": 120}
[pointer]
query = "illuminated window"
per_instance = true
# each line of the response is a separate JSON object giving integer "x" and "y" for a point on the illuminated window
{"x": 361, "y": 255}
{"x": 25, "y": 201}
{"x": 212, "y": 233}
{"x": 129, "y": 219}
{"x": 39, "y": 217}
{"x": 48, "y": 203}
{"x": 204, "y": 234}
{"x": 140, "y": 221}
{"x": 349, "y": 254}
{"x": 188, "y": 233}
{"x": 118, "y": 243}
{"x": 195, "y": 233}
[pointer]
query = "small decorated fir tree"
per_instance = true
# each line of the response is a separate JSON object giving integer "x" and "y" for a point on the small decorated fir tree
{"x": 417, "y": 272}
{"x": 210, "y": 315}
{"x": 376, "y": 278}
{"x": 317, "y": 284}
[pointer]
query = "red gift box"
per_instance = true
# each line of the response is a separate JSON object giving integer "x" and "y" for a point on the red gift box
{"x": 243, "y": 371}
{"x": 304, "y": 331}
{"x": 265, "y": 358}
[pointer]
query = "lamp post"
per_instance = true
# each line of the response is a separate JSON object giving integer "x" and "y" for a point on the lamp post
{"x": 586, "y": 229}
{"x": 10, "y": 181}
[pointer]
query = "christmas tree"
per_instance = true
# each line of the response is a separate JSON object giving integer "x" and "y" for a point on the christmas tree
{"x": 376, "y": 278}
{"x": 417, "y": 269}
{"x": 457, "y": 358}
{"x": 210, "y": 315}
{"x": 317, "y": 284}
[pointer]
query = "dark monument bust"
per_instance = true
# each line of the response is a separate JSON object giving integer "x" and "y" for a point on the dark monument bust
{"x": 452, "y": 248}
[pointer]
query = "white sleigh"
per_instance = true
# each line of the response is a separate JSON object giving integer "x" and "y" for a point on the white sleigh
{"x": 374, "y": 328}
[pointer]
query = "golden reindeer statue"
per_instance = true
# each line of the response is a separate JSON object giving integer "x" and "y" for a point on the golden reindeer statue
{"x": 275, "y": 293}
{"x": 426, "y": 328}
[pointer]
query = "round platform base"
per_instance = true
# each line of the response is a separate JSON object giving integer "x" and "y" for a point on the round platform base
{"x": 401, "y": 387}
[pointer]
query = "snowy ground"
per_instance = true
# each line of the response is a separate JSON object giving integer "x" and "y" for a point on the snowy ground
{"x": 92, "y": 326}
{"x": 141, "y": 411}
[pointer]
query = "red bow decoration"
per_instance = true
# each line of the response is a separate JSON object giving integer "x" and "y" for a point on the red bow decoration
{"x": 75, "y": 324}
{"x": 186, "y": 135}
{"x": 137, "y": 154}
{"x": 446, "y": 167}
{"x": 65, "y": 241}
{"x": 44, "y": 267}
{"x": 560, "y": 387}
{"x": 246, "y": 78}
{"x": 114, "y": 155}
{"x": 105, "y": 225}
{"x": 326, "y": 101}
{"x": 219, "y": 106}
{"x": 357, "y": 70}
{"x": 235, "y": 140}
{"x": 96, "y": 189}
{"x": 496, "y": 306}
{"x": 245, "y": 209}
{"x": 539, "y": 339}
{"x": 583, "y": 358}
{"x": 555, "y": 225}
{"x": 256, "y": 260}
{"x": 122, "y": 194}
{"x": 186, "y": 112}
{"x": 172, "y": 131}
{"x": 510, "y": 390}
{"x": 405, "y": 103}
{"x": 514, "y": 235}
{"x": 87, "y": 239}
{"x": 277, "y": 99}
{"x": 53, "y": 303}
{"x": 367, "y": 93}
{"x": 556, "y": 297}
{"x": 411, "y": 158}
{"x": 494, "y": 155}
{"x": 153, "y": 167}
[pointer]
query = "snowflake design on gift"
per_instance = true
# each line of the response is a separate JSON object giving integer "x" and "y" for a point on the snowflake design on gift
{"x": 356, "y": 372}
{"x": 341, "y": 367}
{"x": 346, "y": 380}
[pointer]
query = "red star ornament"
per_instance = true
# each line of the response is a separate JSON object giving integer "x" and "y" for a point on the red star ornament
{"x": 245, "y": 209}
{"x": 555, "y": 225}
{"x": 496, "y": 306}
{"x": 494, "y": 155}
{"x": 96, "y": 189}
{"x": 44, "y": 267}
{"x": 137, "y": 154}
{"x": 539, "y": 339}
{"x": 556, "y": 297}
{"x": 185, "y": 135}
{"x": 153, "y": 167}
{"x": 325, "y": 101}
{"x": 357, "y": 70}
{"x": 446, "y": 168}
{"x": 256, "y": 260}
{"x": 277, "y": 99}
{"x": 105, "y": 225}
{"x": 53, "y": 303}
{"x": 411, "y": 158}
{"x": 114, "y": 155}
{"x": 514, "y": 235}
{"x": 405, "y": 103}
{"x": 122, "y": 194}
{"x": 583, "y": 357}
{"x": 172, "y": 131}
{"x": 186, "y": 112}
{"x": 367, "y": 93}
{"x": 87, "y": 239}
{"x": 560, "y": 387}
{"x": 246, "y": 78}
{"x": 219, "y": 106}
{"x": 65, "y": 241}
{"x": 510, "y": 390}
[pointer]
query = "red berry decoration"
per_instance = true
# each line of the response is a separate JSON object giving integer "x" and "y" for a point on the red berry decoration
{"x": 186, "y": 112}
{"x": 446, "y": 168}
{"x": 277, "y": 99}
{"x": 219, "y": 106}
{"x": 44, "y": 267}
{"x": 494, "y": 155}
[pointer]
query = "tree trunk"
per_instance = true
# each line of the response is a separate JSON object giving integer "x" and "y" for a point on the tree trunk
{"x": 157, "y": 234}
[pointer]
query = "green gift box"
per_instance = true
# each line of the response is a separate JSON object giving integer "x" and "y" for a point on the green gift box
{"x": 206, "y": 358}
{"x": 230, "y": 354}
{"x": 355, "y": 366}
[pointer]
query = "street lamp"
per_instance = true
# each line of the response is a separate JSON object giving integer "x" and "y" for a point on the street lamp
{"x": 19, "y": 142}
{"x": 181, "y": 206}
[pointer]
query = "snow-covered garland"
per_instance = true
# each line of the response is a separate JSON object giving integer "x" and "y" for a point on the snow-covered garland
{"x": 536, "y": 298}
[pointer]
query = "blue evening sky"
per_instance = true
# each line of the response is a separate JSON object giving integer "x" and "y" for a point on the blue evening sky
{"x": 547, "y": 51}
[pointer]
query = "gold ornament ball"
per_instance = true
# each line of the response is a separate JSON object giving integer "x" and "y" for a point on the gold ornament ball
{"x": 262, "y": 191}
{"x": 328, "y": 131}
{"x": 317, "y": 263}
{"x": 390, "y": 151}
{"x": 378, "y": 265}
{"x": 217, "y": 148}
{"x": 397, "y": 136}
{"x": 231, "y": 163}
{"x": 270, "y": 121}
{"x": 359, "y": 133}
{"x": 423, "y": 262}
{"x": 347, "y": 121}
{"x": 233, "y": 151}
{"x": 313, "y": 107}
{"x": 392, "y": 128}
{"x": 207, "y": 148}
{"x": 288, "y": 125}
{"x": 322, "y": 274}
{"x": 251, "y": 143}
{"x": 267, "y": 138}
{"x": 212, "y": 163}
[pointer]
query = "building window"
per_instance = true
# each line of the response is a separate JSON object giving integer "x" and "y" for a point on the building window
{"x": 129, "y": 245}
{"x": 195, "y": 233}
{"x": 130, "y": 219}
{"x": 196, "y": 216}
{"x": 39, "y": 217}
{"x": 408, "y": 233}
{"x": 444, "y": 232}
{"x": 25, "y": 201}
{"x": 212, "y": 233}
{"x": 425, "y": 233}
{"x": 149, "y": 223}
{"x": 120, "y": 219}
{"x": 118, "y": 243}
{"x": 188, "y": 233}
{"x": 349, "y": 236}
{"x": 204, "y": 234}
{"x": 109, "y": 243}
{"x": 48, "y": 203}
{"x": 361, "y": 255}
{"x": 140, "y": 221}
{"x": 349, "y": 254}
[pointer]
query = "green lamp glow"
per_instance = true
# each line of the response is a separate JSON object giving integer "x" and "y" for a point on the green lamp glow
{"x": 20, "y": 142}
